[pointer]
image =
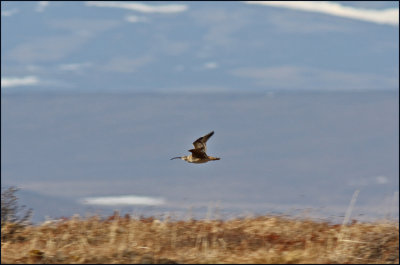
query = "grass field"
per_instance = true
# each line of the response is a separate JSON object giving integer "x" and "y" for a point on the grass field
{"x": 263, "y": 239}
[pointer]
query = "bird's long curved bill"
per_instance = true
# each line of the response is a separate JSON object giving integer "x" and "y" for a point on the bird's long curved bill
{"x": 175, "y": 157}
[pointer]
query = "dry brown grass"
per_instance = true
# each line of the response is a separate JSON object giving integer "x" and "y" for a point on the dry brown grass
{"x": 266, "y": 239}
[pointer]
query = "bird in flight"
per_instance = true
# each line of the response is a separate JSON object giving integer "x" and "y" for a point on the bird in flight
{"x": 198, "y": 154}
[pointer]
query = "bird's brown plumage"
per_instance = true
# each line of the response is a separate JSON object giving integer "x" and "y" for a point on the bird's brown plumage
{"x": 200, "y": 146}
{"x": 199, "y": 154}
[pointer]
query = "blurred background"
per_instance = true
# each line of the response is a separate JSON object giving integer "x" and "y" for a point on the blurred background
{"x": 96, "y": 97}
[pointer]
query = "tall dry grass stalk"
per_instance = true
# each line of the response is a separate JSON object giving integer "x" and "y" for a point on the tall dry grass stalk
{"x": 340, "y": 249}
{"x": 265, "y": 239}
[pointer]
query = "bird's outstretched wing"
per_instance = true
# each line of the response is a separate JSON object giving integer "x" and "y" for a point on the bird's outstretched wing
{"x": 199, "y": 153}
{"x": 201, "y": 142}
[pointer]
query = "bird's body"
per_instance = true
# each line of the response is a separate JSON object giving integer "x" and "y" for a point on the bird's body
{"x": 198, "y": 154}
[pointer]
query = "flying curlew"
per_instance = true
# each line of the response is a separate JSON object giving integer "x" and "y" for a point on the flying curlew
{"x": 199, "y": 152}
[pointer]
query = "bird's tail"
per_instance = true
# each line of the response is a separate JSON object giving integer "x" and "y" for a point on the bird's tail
{"x": 214, "y": 158}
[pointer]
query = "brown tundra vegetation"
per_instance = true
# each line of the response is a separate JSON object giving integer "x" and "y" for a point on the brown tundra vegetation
{"x": 264, "y": 239}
